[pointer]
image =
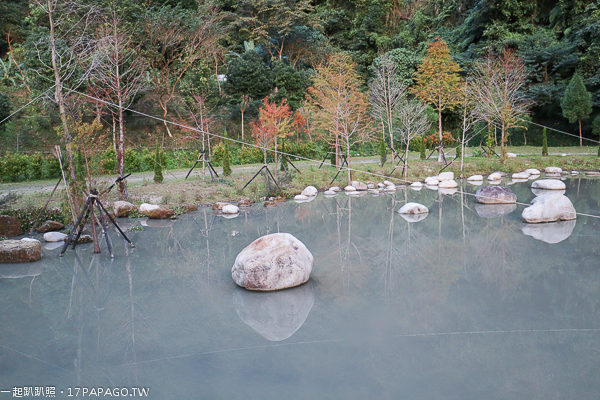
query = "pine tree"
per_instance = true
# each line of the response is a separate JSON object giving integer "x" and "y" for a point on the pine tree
{"x": 596, "y": 129}
{"x": 226, "y": 156}
{"x": 576, "y": 104}
{"x": 158, "y": 160}
{"x": 459, "y": 151}
{"x": 423, "y": 156}
{"x": 438, "y": 81}
{"x": 544, "y": 143}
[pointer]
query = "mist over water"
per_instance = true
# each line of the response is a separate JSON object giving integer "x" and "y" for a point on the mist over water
{"x": 467, "y": 303}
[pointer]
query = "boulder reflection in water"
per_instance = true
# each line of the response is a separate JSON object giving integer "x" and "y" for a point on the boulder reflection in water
{"x": 551, "y": 232}
{"x": 275, "y": 315}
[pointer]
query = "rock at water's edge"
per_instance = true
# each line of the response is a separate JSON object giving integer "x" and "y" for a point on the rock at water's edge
{"x": 20, "y": 251}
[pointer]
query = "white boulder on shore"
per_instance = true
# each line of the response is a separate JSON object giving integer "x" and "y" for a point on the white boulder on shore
{"x": 350, "y": 188}
{"x": 153, "y": 211}
{"x": 359, "y": 185}
{"x": 496, "y": 176}
{"x": 230, "y": 209}
{"x": 416, "y": 185}
{"x": 553, "y": 170}
{"x": 532, "y": 171}
{"x": 301, "y": 197}
{"x": 448, "y": 184}
{"x": 520, "y": 175}
{"x": 123, "y": 208}
{"x": 273, "y": 262}
{"x": 445, "y": 176}
{"x": 309, "y": 191}
{"x": 549, "y": 184}
{"x": 475, "y": 178}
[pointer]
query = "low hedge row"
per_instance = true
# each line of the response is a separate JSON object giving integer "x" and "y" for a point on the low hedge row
{"x": 16, "y": 167}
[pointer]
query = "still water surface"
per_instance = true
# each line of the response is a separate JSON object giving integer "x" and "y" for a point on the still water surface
{"x": 460, "y": 305}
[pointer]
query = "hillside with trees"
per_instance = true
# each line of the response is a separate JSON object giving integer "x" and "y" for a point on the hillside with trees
{"x": 112, "y": 77}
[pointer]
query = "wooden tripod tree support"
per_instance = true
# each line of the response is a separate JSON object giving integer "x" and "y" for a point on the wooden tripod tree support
{"x": 88, "y": 210}
{"x": 202, "y": 157}
{"x": 266, "y": 167}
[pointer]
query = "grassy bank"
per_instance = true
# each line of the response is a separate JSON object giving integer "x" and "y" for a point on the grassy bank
{"x": 176, "y": 191}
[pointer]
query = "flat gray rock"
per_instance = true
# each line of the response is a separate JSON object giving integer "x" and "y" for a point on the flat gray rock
{"x": 273, "y": 262}
{"x": 495, "y": 195}
{"x": 55, "y": 237}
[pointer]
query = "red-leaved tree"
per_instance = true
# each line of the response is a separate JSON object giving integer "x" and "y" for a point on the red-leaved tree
{"x": 274, "y": 121}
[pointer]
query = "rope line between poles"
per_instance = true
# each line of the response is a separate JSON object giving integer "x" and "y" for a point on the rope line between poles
{"x": 262, "y": 148}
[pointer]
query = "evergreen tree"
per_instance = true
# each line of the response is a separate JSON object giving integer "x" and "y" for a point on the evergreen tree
{"x": 423, "y": 156}
{"x": 576, "y": 104}
{"x": 459, "y": 151}
{"x": 596, "y": 129}
{"x": 544, "y": 143}
{"x": 226, "y": 156}
{"x": 437, "y": 81}
{"x": 158, "y": 160}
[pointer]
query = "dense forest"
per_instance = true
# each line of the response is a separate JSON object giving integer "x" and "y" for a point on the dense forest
{"x": 94, "y": 72}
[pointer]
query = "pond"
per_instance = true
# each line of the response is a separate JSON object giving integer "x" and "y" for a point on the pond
{"x": 463, "y": 304}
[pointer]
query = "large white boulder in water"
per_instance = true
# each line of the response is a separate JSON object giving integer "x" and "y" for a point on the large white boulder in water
{"x": 413, "y": 208}
{"x": 549, "y": 208}
{"x": 273, "y": 262}
{"x": 549, "y": 184}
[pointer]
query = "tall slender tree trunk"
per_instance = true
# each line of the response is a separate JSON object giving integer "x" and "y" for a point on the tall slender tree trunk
{"x": 58, "y": 95}
{"x": 348, "y": 159}
{"x": 440, "y": 158}
{"x": 502, "y": 139}
{"x": 580, "y": 137}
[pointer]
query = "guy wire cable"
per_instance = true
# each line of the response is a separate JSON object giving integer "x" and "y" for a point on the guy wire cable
{"x": 259, "y": 147}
